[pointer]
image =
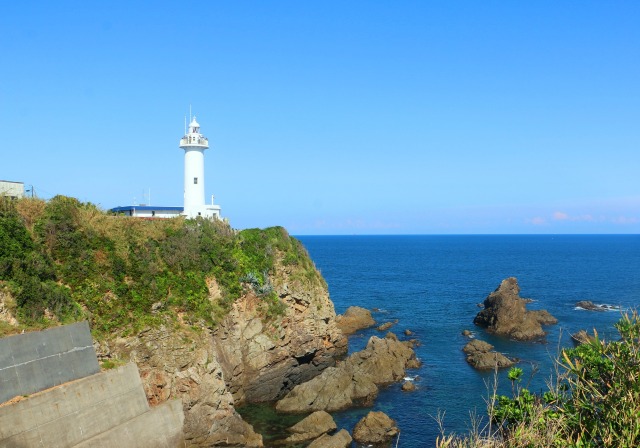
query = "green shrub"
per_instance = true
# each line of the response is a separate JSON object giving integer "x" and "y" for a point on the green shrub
{"x": 595, "y": 401}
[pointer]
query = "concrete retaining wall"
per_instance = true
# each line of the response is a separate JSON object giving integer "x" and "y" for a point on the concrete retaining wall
{"x": 74, "y": 412}
{"x": 86, "y": 408}
{"x": 161, "y": 427}
{"x": 35, "y": 361}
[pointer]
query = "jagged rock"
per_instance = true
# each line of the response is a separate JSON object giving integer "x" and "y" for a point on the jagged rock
{"x": 180, "y": 363}
{"x": 466, "y": 333}
{"x": 480, "y": 355}
{"x": 375, "y": 428}
{"x": 505, "y": 314}
{"x": 408, "y": 332}
{"x": 385, "y": 326}
{"x": 311, "y": 427}
{"x": 352, "y": 381}
{"x": 354, "y": 319}
{"x": 264, "y": 359}
{"x": 391, "y": 335}
{"x": 589, "y": 306}
{"x": 414, "y": 363}
{"x": 408, "y": 386}
{"x": 543, "y": 317}
{"x": 341, "y": 439}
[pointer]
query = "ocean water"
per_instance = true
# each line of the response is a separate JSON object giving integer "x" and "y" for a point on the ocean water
{"x": 432, "y": 285}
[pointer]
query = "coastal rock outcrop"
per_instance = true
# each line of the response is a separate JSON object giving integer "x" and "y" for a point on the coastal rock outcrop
{"x": 354, "y": 319}
{"x": 505, "y": 314}
{"x": 408, "y": 386}
{"x": 481, "y": 355}
{"x": 177, "y": 363}
{"x": 263, "y": 359}
{"x": 311, "y": 427}
{"x": 375, "y": 428}
{"x": 352, "y": 381}
{"x": 341, "y": 439}
{"x": 590, "y": 306}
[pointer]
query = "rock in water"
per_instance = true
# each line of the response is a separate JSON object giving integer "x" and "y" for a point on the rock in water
{"x": 385, "y": 326}
{"x": 341, "y": 439}
{"x": 311, "y": 427}
{"x": 375, "y": 428}
{"x": 352, "y": 381}
{"x": 354, "y": 319}
{"x": 408, "y": 386}
{"x": 505, "y": 314}
{"x": 480, "y": 355}
{"x": 590, "y": 306}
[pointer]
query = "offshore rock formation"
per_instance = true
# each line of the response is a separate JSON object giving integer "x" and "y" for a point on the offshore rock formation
{"x": 341, "y": 439}
{"x": 354, "y": 380}
{"x": 311, "y": 427}
{"x": 354, "y": 319}
{"x": 375, "y": 428}
{"x": 481, "y": 355}
{"x": 505, "y": 314}
{"x": 590, "y": 306}
{"x": 263, "y": 359}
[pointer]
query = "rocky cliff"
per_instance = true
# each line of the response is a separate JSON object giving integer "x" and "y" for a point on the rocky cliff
{"x": 263, "y": 359}
{"x": 211, "y": 315}
{"x": 251, "y": 356}
{"x": 181, "y": 363}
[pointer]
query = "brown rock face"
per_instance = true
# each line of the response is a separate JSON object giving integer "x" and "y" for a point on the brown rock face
{"x": 505, "y": 314}
{"x": 263, "y": 359}
{"x": 375, "y": 428}
{"x": 352, "y": 381}
{"x": 178, "y": 363}
{"x": 480, "y": 355}
{"x": 341, "y": 439}
{"x": 354, "y": 319}
{"x": 408, "y": 386}
{"x": 311, "y": 427}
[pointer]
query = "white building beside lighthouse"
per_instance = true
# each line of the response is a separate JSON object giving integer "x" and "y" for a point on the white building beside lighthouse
{"x": 194, "y": 144}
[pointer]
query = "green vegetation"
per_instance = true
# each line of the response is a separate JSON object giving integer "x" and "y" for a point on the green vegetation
{"x": 595, "y": 401}
{"x": 64, "y": 260}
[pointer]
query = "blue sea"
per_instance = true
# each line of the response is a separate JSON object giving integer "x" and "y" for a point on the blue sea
{"x": 432, "y": 285}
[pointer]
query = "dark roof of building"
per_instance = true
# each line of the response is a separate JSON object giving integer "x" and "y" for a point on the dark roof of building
{"x": 146, "y": 207}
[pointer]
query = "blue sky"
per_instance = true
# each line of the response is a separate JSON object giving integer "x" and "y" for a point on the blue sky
{"x": 334, "y": 117}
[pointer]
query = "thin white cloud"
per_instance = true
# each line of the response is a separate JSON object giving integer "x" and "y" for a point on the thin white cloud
{"x": 538, "y": 221}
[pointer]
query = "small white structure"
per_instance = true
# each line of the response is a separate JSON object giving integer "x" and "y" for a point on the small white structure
{"x": 194, "y": 144}
{"x": 14, "y": 190}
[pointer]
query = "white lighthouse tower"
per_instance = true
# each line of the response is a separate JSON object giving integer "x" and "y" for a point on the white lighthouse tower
{"x": 194, "y": 144}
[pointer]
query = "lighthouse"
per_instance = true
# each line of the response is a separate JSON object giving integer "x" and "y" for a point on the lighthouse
{"x": 194, "y": 144}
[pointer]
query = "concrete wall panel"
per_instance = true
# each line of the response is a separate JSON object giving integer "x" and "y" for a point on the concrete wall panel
{"x": 35, "y": 361}
{"x": 161, "y": 427}
{"x": 67, "y": 415}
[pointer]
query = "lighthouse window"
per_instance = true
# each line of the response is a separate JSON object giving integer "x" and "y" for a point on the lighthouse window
{"x": 195, "y": 180}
